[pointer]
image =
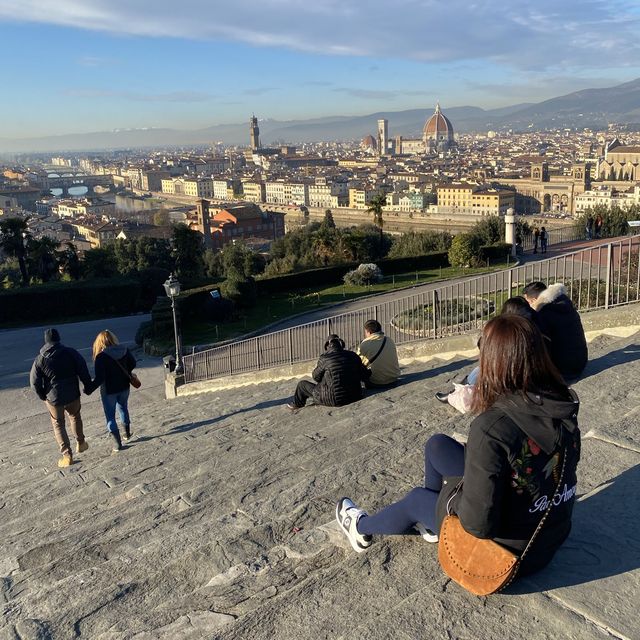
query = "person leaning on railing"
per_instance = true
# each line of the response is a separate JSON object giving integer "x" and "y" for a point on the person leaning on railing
{"x": 502, "y": 482}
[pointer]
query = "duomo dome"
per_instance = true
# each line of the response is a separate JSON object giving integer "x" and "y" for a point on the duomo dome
{"x": 438, "y": 129}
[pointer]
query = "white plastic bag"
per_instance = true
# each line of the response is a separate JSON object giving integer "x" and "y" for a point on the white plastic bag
{"x": 461, "y": 396}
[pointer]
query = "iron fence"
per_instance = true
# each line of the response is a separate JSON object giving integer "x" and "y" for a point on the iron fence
{"x": 596, "y": 278}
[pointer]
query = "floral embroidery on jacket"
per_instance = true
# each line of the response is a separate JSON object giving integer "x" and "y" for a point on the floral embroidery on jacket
{"x": 531, "y": 469}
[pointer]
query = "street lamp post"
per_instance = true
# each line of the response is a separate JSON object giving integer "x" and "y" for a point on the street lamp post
{"x": 172, "y": 289}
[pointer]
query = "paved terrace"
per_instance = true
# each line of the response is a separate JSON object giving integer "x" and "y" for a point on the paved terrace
{"x": 217, "y": 522}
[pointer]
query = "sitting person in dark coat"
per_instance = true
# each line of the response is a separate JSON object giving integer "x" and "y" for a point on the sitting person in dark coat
{"x": 338, "y": 374}
{"x": 560, "y": 323}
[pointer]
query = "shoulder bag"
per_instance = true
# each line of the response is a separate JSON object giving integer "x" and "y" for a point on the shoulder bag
{"x": 379, "y": 352}
{"x": 133, "y": 378}
{"x": 478, "y": 565}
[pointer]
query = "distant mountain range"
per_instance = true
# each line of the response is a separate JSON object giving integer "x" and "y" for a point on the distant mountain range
{"x": 594, "y": 108}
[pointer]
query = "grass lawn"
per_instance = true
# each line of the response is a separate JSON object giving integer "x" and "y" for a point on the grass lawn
{"x": 280, "y": 306}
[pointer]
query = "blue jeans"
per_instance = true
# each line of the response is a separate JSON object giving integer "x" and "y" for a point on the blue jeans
{"x": 112, "y": 401}
{"x": 443, "y": 456}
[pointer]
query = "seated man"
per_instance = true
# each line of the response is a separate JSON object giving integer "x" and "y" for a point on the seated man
{"x": 339, "y": 374}
{"x": 378, "y": 353}
{"x": 560, "y": 323}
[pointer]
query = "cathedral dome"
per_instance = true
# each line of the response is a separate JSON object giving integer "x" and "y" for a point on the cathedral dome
{"x": 369, "y": 142}
{"x": 438, "y": 127}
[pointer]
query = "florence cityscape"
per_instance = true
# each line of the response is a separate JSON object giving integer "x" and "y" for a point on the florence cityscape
{"x": 256, "y": 256}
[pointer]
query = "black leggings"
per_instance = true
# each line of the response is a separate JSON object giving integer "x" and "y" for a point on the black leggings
{"x": 443, "y": 456}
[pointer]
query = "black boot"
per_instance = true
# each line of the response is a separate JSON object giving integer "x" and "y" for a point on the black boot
{"x": 118, "y": 444}
{"x": 127, "y": 432}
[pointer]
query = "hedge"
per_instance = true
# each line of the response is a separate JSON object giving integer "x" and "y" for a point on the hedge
{"x": 495, "y": 252}
{"x": 59, "y": 301}
{"x": 333, "y": 275}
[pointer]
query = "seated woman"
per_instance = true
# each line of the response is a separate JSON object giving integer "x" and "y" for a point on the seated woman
{"x": 526, "y": 420}
{"x": 457, "y": 397}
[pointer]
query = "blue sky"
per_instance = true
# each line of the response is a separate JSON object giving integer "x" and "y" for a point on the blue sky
{"x": 74, "y": 66}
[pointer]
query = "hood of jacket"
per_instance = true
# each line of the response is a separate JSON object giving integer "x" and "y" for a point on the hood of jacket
{"x": 551, "y": 294}
{"x": 117, "y": 351}
{"x": 50, "y": 349}
{"x": 537, "y": 415}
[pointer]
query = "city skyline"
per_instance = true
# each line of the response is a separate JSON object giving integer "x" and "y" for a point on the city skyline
{"x": 90, "y": 66}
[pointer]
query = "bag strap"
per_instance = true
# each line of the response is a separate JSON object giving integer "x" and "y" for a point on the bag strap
{"x": 546, "y": 513}
{"x": 126, "y": 373}
{"x": 548, "y": 509}
{"x": 379, "y": 351}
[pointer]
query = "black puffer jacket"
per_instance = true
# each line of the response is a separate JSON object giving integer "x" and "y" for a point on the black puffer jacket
{"x": 109, "y": 373}
{"x": 559, "y": 321}
{"x": 513, "y": 461}
{"x": 55, "y": 372}
{"x": 339, "y": 374}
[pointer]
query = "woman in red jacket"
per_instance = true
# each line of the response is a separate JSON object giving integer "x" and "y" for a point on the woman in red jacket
{"x": 526, "y": 421}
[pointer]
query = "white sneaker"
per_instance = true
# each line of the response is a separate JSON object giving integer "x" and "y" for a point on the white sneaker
{"x": 347, "y": 515}
{"x": 427, "y": 534}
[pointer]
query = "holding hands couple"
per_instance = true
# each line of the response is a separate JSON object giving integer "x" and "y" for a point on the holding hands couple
{"x": 55, "y": 376}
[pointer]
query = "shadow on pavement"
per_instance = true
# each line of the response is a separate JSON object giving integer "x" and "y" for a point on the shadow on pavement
{"x": 630, "y": 353}
{"x": 190, "y": 426}
{"x": 450, "y": 367}
{"x": 603, "y": 542}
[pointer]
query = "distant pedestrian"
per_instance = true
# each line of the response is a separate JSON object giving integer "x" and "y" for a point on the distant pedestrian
{"x": 588, "y": 227}
{"x": 597, "y": 226}
{"x": 536, "y": 239}
{"x": 114, "y": 364}
{"x": 54, "y": 377}
{"x": 378, "y": 353}
{"x": 338, "y": 374}
{"x": 543, "y": 240}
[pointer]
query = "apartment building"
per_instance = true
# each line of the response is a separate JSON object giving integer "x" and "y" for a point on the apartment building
{"x": 478, "y": 200}
{"x": 254, "y": 191}
{"x": 198, "y": 187}
{"x": 78, "y": 208}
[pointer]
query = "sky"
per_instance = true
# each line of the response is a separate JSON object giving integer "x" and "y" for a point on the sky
{"x": 76, "y": 66}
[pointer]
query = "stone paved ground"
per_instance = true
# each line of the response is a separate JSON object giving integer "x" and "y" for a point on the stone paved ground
{"x": 217, "y": 522}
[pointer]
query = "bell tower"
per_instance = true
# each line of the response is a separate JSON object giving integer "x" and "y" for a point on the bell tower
{"x": 254, "y": 133}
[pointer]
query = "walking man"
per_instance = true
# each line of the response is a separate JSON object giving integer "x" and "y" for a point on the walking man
{"x": 54, "y": 378}
{"x": 378, "y": 353}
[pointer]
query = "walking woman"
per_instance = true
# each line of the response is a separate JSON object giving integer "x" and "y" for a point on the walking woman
{"x": 113, "y": 366}
{"x": 511, "y": 467}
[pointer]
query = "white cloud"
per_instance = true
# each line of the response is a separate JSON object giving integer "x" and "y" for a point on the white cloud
{"x": 520, "y": 34}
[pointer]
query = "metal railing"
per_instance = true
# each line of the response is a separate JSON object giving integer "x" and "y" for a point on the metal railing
{"x": 557, "y": 235}
{"x": 596, "y": 278}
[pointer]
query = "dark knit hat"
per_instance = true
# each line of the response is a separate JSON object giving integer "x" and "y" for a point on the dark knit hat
{"x": 51, "y": 336}
{"x": 334, "y": 340}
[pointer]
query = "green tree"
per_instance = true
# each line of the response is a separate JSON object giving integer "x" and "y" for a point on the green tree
{"x": 14, "y": 232}
{"x": 42, "y": 258}
{"x": 153, "y": 253}
{"x": 69, "y": 262}
{"x": 419, "y": 243}
{"x": 187, "y": 251}
{"x": 161, "y": 218}
{"x": 464, "y": 250}
{"x": 99, "y": 263}
{"x": 375, "y": 207}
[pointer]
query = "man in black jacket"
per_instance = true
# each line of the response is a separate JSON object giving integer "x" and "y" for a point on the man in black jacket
{"x": 54, "y": 377}
{"x": 339, "y": 374}
{"x": 560, "y": 323}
